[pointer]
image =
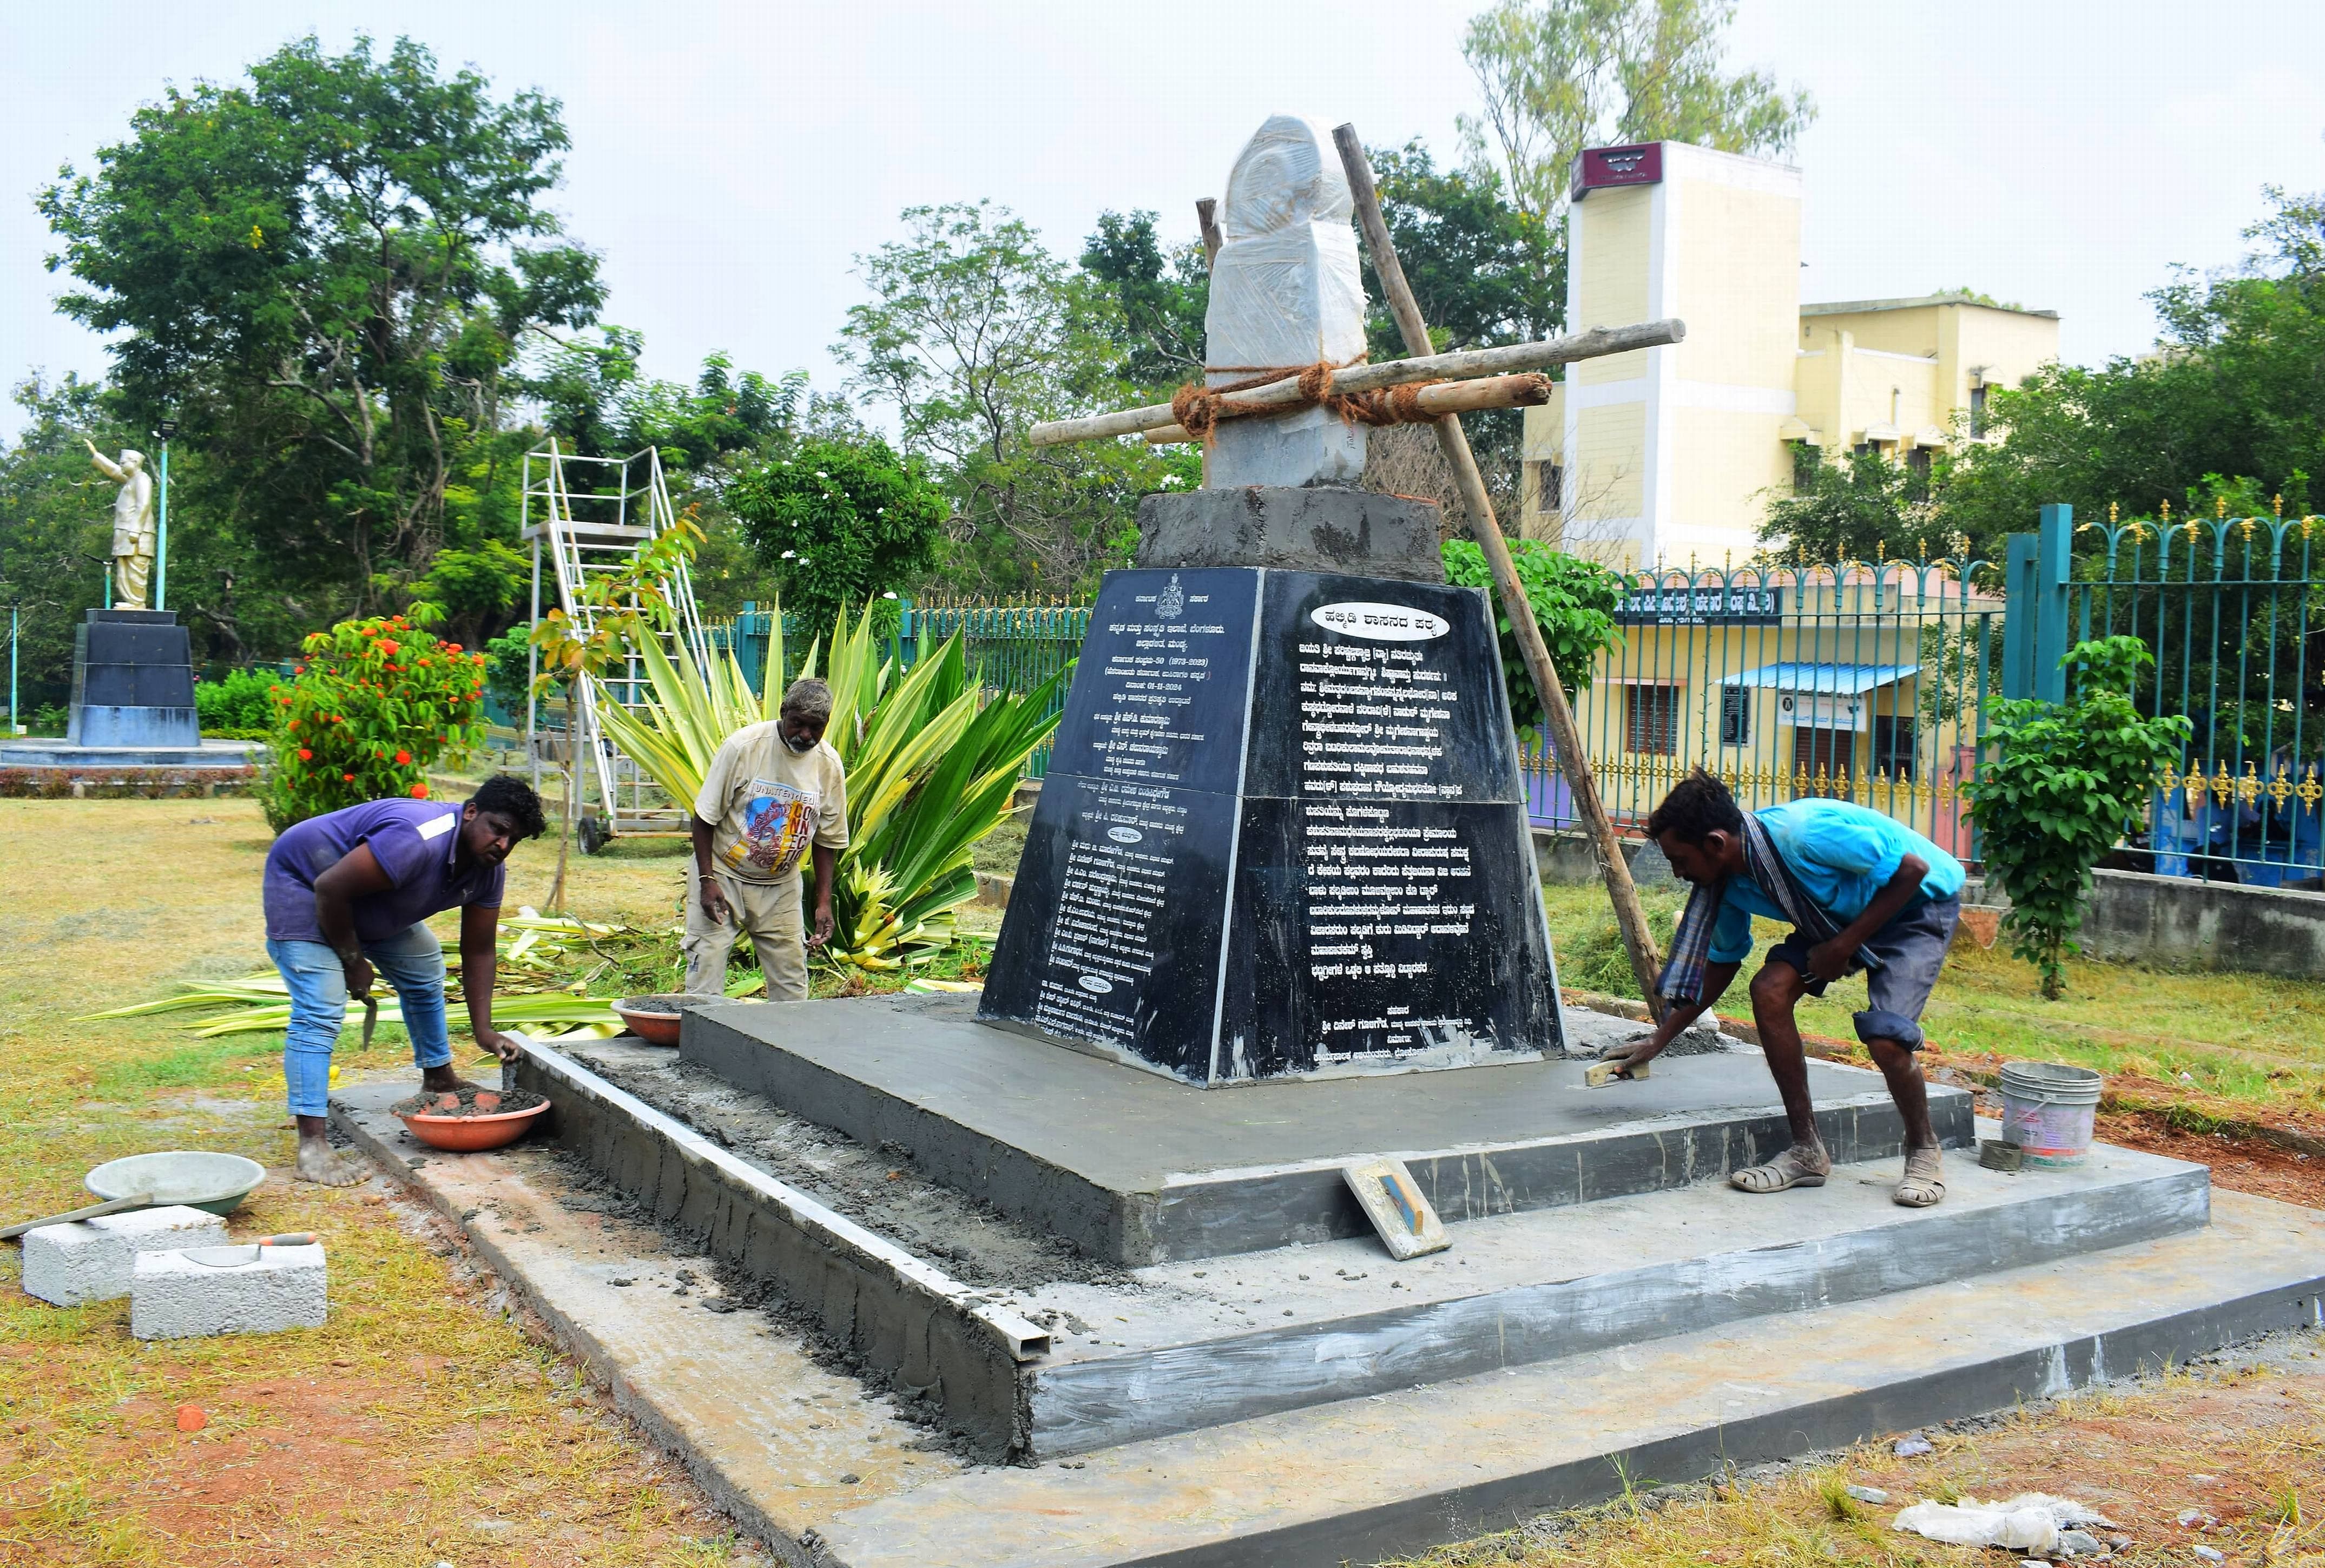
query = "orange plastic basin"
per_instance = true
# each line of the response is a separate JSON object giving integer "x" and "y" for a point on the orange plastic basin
{"x": 467, "y": 1134}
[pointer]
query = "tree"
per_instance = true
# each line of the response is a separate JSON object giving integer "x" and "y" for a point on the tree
{"x": 2064, "y": 783}
{"x": 1562, "y": 75}
{"x": 1857, "y": 507}
{"x": 2233, "y": 403}
{"x": 974, "y": 332}
{"x": 327, "y": 276}
{"x": 1484, "y": 271}
{"x": 836, "y": 525}
{"x": 1160, "y": 300}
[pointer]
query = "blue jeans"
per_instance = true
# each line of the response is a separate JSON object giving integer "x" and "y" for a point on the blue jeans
{"x": 411, "y": 962}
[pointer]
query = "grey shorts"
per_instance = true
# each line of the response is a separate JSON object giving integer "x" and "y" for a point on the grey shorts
{"x": 1912, "y": 948}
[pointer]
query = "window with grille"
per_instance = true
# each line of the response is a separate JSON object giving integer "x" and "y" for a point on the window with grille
{"x": 1734, "y": 715}
{"x": 1894, "y": 744}
{"x": 1653, "y": 719}
{"x": 1547, "y": 477}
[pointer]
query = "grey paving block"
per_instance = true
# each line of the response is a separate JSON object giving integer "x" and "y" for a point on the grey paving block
{"x": 91, "y": 1260}
{"x": 176, "y": 1296}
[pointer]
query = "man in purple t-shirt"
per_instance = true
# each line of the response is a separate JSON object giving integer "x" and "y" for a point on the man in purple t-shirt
{"x": 353, "y": 889}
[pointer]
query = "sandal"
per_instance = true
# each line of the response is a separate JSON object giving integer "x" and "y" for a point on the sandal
{"x": 1802, "y": 1165}
{"x": 1925, "y": 1185}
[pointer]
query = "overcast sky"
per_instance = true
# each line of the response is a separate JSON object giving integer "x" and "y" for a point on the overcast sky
{"x": 728, "y": 160}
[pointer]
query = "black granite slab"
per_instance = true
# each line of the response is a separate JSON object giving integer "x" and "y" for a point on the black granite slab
{"x": 1283, "y": 832}
{"x": 133, "y": 681}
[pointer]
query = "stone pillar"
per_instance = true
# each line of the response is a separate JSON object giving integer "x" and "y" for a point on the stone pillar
{"x": 1286, "y": 292}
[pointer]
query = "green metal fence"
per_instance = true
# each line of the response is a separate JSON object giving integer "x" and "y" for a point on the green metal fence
{"x": 2231, "y": 608}
{"x": 1873, "y": 681}
{"x": 1855, "y": 681}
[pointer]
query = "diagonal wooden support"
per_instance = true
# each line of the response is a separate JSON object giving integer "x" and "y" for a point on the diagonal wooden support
{"x": 1629, "y": 915}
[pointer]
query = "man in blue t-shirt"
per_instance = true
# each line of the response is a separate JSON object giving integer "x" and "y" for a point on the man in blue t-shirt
{"x": 1862, "y": 891}
{"x": 353, "y": 889}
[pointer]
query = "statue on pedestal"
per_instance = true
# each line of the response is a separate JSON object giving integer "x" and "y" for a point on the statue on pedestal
{"x": 132, "y": 524}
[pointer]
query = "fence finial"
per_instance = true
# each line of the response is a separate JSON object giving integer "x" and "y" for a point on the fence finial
{"x": 2219, "y": 505}
{"x": 2167, "y": 511}
{"x": 2276, "y": 504}
{"x": 2115, "y": 510}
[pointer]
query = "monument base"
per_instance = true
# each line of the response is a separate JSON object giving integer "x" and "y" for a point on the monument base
{"x": 1134, "y": 1168}
{"x": 1320, "y": 528}
{"x": 133, "y": 681}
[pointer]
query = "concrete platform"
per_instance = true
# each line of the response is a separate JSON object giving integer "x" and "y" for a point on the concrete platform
{"x": 1132, "y": 1167}
{"x": 1358, "y": 1480}
{"x": 1100, "y": 1358}
{"x": 128, "y": 759}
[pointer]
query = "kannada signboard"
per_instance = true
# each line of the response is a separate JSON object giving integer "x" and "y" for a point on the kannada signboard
{"x": 1702, "y": 607}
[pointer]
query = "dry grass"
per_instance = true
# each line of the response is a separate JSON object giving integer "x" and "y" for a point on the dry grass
{"x": 2246, "y": 1447}
{"x": 422, "y": 1423}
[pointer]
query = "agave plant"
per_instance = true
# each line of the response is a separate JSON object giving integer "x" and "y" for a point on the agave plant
{"x": 931, "y": 769}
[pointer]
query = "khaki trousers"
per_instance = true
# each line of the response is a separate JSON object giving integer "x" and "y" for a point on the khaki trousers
{"x": 770, "y": 913}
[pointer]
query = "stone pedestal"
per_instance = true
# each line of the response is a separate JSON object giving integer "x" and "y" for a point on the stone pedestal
{"x": 133, "y": 681}
{"x": 1320, "y": 528}
{"x": 1282, "y": 834}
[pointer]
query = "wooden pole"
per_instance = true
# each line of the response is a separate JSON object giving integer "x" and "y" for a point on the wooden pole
{"x": 1637, "y": 939}
{"x": 1207, "y": 209}
{"x": 1443, "y": 397}
{"x": 1467, "y": 364}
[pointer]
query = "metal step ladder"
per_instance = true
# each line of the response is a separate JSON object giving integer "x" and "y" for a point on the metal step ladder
{"x": 591, "y": 516}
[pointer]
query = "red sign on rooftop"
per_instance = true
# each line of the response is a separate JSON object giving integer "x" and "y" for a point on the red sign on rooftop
{"x": 1601, "y": 167}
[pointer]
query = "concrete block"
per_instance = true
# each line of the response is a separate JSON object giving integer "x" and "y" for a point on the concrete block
{"x": 92, "y": 1260}
{"x": 174, "y": 1295}
{"x": 1322, "y": 529}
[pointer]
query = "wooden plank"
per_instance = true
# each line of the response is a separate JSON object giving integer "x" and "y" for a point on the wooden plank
{"x": 1467, "y": 364}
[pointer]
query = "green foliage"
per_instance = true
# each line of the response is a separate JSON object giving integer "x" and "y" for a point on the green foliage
{"x": 507, "y": 669}
{"x": 373, "y": 707}
{"x": 1483, "y": 270}
{"x": 243, "y": 701}
{"x": 325, "y": 274}
{"x": 1562, "y": 75}
{"x": 1574, "y": 602}
{"x": 2234, "y": 392}
{"x": 975, "y": 331}
{"x": 1856, "y": 506}
{"x": 836, "y": 523}
{"x": 930, "y": 773}
{"x": 1160, "y": 300}
{"x": 2063, "y": 784}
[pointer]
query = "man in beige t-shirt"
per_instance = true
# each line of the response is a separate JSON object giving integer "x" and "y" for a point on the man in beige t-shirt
{"x": 774, "y": 791}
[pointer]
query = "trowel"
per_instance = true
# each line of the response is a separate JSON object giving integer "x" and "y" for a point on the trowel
{"x": 243, "y": 1254}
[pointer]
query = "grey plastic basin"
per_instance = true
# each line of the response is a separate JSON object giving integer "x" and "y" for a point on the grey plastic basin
{"x": 194, "y": 1177}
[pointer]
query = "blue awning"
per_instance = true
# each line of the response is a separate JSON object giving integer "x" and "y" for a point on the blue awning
{"x": 1829, "y": 679}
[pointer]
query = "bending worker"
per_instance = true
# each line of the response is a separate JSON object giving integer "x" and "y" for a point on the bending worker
{"x": 1862, "y": 893}
{"x": 774, "y": 789}
{"x": 351, "y": 891}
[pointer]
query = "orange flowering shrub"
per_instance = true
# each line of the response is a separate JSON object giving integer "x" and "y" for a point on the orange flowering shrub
{"x": 373, "y": 704}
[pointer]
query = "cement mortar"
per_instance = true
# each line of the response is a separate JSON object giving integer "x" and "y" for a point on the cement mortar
{"x": 876, "y": 1188}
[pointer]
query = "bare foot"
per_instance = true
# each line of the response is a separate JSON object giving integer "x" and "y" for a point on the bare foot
{"x": 442, "y": 1079}
{"x": 321, "y": 1163}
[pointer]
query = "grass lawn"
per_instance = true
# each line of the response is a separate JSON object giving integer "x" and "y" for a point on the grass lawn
{"x": 2248, "y": 1042}
{"x": 420, "y": 1425}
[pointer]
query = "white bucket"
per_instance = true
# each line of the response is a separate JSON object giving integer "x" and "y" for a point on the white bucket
{"x": 2047, "y": 1110}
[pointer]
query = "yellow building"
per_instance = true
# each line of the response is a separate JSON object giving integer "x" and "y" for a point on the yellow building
{"x": 1671, "y": 454}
